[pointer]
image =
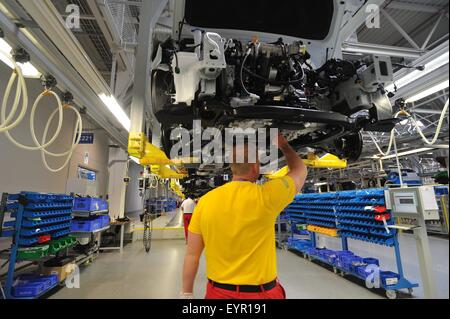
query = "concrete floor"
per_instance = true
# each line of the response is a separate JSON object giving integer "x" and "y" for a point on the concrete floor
{"x": 135, "y": 274}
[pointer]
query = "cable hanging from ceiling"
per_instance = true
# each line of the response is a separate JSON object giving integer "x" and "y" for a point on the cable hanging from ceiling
{"x": 7, "y": 122}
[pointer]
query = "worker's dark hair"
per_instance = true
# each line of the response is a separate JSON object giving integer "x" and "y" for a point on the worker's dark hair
{"x": 242, "y": 159}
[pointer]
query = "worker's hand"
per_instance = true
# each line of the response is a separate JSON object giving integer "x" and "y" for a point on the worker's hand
{"x": 188, "y": 295}
{"x": 280, "y": 141}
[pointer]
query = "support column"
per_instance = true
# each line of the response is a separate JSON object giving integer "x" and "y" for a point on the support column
{"x": 118, "y": 170}
{"x": 141, "y": 105}
{"x": 425, "y": 260}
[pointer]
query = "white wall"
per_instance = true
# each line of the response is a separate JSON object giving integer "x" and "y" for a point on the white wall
{"x": 97, "y": 161}
{"x": 22, "y": 170}
{"x": 133, "y": 202}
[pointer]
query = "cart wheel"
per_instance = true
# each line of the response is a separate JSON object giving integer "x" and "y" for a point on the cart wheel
{"x": 335, "y": 270}
{"x": 391, "y": 294}
{"x": 411, "y": 291}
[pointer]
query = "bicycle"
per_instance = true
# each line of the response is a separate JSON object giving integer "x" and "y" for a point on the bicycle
{"x": 148, "y": 229}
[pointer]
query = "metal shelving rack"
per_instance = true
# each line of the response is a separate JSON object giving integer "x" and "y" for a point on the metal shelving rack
{"x": 95, "y": 236}
{"x": 26, "y": 208}
{"x": 359, "y": 215}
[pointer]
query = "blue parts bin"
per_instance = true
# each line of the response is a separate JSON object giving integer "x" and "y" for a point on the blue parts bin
{"x": 105, "y": 221}
{"x": 89, "y": 215}
{"x": 47, "y": 221}
{"x": 359, "y": 215}
{"x": 441, "y": 190}
{"x": 90, "y": 224}
{"x": 46, "y": 213}
{"x": 88, "y": 204}
{"x": 159, "y": 205}
{"x": 371, "y": 261}
{"x": 389, "y": 278}
{"x": 352, "y": 212}
{"x": 42, "y": 214}
{"x": 33, "y": 286}
{"x": 39, "y": 220}
{"x": 86, "y": 225}
{"x": 299, "y": 244}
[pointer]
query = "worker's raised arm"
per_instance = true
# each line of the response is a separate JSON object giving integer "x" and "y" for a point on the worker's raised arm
{"x": 297, "y": 168}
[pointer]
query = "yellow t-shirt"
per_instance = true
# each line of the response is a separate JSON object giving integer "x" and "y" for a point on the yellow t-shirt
{"x": 237, "y": 223}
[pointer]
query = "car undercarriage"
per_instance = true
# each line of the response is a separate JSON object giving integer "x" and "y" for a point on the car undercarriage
{"x": 227, "y": 83}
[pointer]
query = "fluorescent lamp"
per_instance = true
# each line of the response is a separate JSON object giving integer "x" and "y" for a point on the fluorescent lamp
{"x": 135, "y": 159}
{"x": 114, "y": 107}
{"x": 5, "y": 52}
{"x": 428, "y": 92}
{"x": 419, "y": 150}
{"x": 28, "y": 69}
{"x": 320, "y": 184}
{"x": 415, "y": 75}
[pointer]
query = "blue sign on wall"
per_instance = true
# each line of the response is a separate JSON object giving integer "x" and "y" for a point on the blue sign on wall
{"x": 87, "y": 138}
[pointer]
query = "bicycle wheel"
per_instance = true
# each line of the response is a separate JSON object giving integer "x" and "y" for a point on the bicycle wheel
{"x": 147, "y": 238}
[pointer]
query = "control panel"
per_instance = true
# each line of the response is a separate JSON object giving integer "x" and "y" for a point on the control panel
{"x": 413, "y": 202}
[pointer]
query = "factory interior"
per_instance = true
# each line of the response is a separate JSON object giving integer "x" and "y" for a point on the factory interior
{"x": 118, "y": 118}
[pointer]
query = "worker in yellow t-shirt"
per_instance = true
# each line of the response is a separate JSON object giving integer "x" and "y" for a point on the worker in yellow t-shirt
{"x": 234, "y": 224}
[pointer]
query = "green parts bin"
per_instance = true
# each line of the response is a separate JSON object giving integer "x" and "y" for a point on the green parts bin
{"x": 52, "y": 248}
{"x": 59, "y": 244}
{"x": 33, "y": 253}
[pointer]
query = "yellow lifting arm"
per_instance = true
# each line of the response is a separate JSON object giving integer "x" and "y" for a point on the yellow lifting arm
{"x": 154, "y": 156}
{"x": 165, "y": 172}
{"x": 326, "y": 161}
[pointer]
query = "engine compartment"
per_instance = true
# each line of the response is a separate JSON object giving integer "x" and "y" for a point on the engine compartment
{"x": 230, "y": 83}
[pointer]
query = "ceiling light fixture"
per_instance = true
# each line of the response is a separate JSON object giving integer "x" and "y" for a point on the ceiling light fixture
{"x": 28, "y": 69}
{"x": 415, "y": 75}
{"x": 115, "y": 108}
{"x": 428, "y": 92}
{"x": 135, "y": 159}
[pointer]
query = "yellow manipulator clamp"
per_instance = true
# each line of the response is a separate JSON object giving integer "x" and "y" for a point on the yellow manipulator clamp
{"x": 136, "y": 144}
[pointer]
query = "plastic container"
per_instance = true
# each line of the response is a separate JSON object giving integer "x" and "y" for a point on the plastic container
{"x": 86, "y": 225}
{"x": 105, "y": 221}
{"x": 60, "y": 244}
{"x": 49, "y": 281}
{"x": 29, "y": 286}
{"x": 371, "y": 261}
{"x": 49, "y": 206}
{"x": 43, "y": 230}
{"x": 28, "y": 289}
{"x": 44, "y": 239}
{"x": 46, "y": 213}
{"x": 82, "y": 204}
{"x": 45, "y": 221}
{"x": 104, "y": 205}
{"x": 361, "y": 271}
{"x": 343, "y": 259}
{"x": 389, "y": 278}
{"x": 33, "y": 253}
